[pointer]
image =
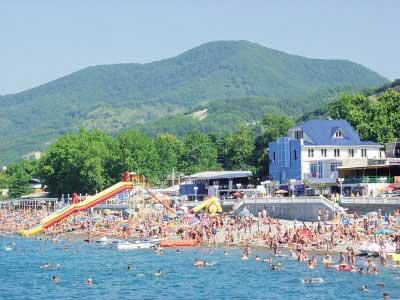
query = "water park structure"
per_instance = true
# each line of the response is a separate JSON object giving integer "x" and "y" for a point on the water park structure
{"x": 129, "y": 182}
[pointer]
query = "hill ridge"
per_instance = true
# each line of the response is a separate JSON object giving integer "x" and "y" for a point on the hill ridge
{"x": 115, "y": 97}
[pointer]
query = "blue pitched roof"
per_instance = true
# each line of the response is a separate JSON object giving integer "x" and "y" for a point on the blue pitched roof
{"x": 322, "y": 132}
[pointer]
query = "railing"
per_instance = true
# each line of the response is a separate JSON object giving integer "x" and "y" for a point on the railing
{"x": 371, "y": 200}
{"x": 368, "y": 179}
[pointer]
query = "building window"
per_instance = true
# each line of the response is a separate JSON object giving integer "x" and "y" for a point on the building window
{"x": 313, "y": 170}
{"x": 295, "y": 155}
{"x": 298, "y": 134}
{"x": 338, "y": 134}
{"x": 351, "y": 152}
{"x": 336, "y": 152}
{"x": 334, "y": 166}
{"x": 323, "y": 152}
{"x": 363, "y": 152}
{"x": 310, "y": 152}
{"x": 273, "y": 156}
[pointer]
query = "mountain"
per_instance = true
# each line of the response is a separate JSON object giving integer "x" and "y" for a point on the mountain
{"x": 235, "y": 74}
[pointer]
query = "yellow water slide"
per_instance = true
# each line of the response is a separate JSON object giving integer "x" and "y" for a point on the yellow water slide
{"x": 210, "y": 205}
{"x": 89, "y": 202}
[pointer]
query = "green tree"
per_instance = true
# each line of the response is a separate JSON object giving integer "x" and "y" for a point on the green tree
{"x": 239, "y": 148}
{"x": 169, "y": 150}
{"x": 18, "y": 176}
{"x": 274, "y": 126}
{"x": 138, "y": 153}
{"x": 80, "y": 162}
{"x": 199, "y": 153}
{"x": 375, "y": 118}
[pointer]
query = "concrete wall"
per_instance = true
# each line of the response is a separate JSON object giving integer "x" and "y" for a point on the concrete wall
{"x": 290, "y": 211}
{"x": 362, "y": 208}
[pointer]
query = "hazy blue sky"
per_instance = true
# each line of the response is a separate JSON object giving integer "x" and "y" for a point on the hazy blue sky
{"x": 43, "y": 40}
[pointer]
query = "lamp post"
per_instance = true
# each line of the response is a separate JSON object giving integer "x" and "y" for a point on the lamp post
{"x": 195, "y": 192}
{"x": 268, "y": 184}
{"x": 341, "y": 180}
{"x": 216, "y": 187}
{"x": 291, "y": 183}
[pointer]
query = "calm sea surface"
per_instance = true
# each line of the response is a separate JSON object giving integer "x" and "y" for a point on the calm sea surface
{"x": 228, "y": 278}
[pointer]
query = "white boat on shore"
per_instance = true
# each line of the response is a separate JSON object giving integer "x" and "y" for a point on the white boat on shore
{"x": 374, "y": 249}
{"x": 135, "y": 245}
{"x": 104, "y": 241}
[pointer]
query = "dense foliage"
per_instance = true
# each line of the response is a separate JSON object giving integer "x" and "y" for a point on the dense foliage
{"x": 237, "y": 81}
{"x": 89, "y": 161}
{"x": 375, "y": 118}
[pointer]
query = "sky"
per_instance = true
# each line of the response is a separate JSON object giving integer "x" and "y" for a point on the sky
{"x": 43, "y": 40}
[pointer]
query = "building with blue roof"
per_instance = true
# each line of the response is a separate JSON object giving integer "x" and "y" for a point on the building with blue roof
{"x": 312, "y": 151}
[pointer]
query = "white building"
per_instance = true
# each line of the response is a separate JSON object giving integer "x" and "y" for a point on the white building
{"x": 315, "y": 149}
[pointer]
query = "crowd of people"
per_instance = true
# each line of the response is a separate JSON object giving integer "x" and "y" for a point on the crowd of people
{"x": 343, "y": 237}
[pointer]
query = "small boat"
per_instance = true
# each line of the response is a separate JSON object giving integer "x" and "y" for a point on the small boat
{"x": 373, "y": 249}
{"x": 178, "y": 243}
{"x": 135, "y": 245}
{"x": 155, "y": 241}
{"x": 104, "y": 241}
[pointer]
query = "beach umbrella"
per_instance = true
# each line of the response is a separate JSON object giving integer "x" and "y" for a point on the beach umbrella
{"x": 384, "y": 231}
{"x": 129, "y": 210}
{"x": 392, "y": 186}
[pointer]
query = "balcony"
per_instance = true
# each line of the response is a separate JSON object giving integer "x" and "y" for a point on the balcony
{"x": 325, "y": 178}
{"x": 368, "y": 179}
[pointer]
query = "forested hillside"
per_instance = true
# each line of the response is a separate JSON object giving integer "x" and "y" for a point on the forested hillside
{"x": 239, "y": 78}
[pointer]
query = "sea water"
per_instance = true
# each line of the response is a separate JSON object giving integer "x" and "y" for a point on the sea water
{"x": 228, "y": 277}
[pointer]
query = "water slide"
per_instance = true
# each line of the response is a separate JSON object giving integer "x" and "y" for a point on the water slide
{"x": 81, "y": 206}
{"x": 169, "y": 209}
{"x": 210, "y": 205}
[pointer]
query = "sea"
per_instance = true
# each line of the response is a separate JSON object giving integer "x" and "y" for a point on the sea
{"x": 226, "y": 276}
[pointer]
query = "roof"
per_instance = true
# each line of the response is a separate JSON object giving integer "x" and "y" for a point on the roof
{"x": 322, "y": 132}
{"x": 221, "y": 174}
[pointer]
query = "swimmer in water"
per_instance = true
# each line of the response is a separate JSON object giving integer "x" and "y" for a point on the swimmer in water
{"x": 312, "y": 263}
{"x": 257, "y": 258}
{"x": 226, "y": 253}
{"x": 385, "y": 296}
{"x": 89, "y": 281}
{"x": 199, "y": 263}
{"x": 268, "y": 260}
{"x": 274, "y": 267}
{"x": 361, "y": 271}
{"x": 55, "y": 278}
{"x": 177, "y": 251}
{"x": 129, "y": 268}
{"x": 158, "y": 273}
{"x": 313, "y": 280}
{"x": 45, "y": 266}
{"x": 364, "y": 288}
{"x": 159, "y": 251}
{"x": 381, "y": 284}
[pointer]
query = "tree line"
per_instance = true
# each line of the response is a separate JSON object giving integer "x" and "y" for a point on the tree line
{"x": 91, "y": 160}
